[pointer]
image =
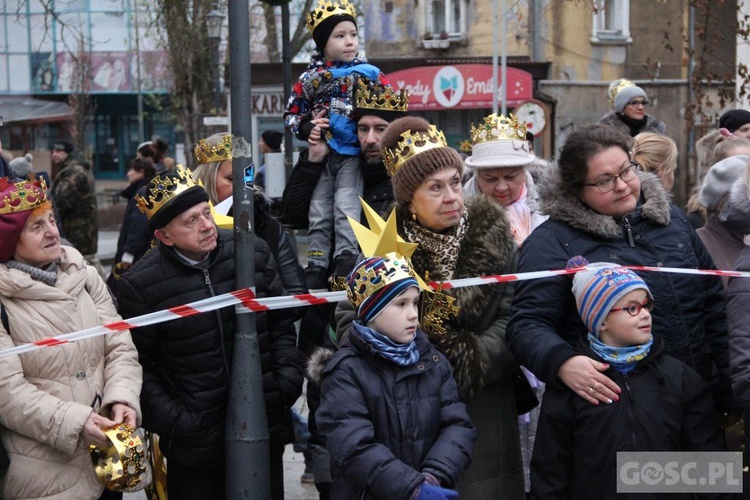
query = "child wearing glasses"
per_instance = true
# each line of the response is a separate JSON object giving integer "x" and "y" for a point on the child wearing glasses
{"x": 664, "y": 405}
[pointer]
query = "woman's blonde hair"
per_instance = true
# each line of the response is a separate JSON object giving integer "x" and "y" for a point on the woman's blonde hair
{"x": 206, "y": 173}
{"x": 655, "y": 153}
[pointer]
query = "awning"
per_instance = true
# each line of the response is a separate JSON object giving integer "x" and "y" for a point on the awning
{"x": 29, "y": 110}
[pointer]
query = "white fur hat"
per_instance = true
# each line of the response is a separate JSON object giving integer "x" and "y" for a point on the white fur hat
{"x": 500, "y": 153}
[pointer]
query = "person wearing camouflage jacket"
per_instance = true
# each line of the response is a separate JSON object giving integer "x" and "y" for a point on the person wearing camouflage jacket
{"x": 73, "y": 192}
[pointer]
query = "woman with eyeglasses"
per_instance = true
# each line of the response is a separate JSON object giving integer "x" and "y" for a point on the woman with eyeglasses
{"x": 603, "y": 208}
{"x": 628, "y": 115}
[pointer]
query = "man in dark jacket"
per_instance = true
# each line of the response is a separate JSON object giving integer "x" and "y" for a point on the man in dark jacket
{"x": 73, "y": 192}
{"x": 187, "y": 362}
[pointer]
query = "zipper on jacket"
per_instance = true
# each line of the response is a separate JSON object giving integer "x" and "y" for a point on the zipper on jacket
{"x": 628, "y": 231}
{"x": 631, "y": 414}
{"x": 218, "y": 322}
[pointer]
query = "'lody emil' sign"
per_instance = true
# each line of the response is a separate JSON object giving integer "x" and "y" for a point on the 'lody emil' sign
{"x": 463, "y": 86}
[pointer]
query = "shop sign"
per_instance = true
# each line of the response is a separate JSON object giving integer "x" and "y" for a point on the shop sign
{"x": 463, "y": 86}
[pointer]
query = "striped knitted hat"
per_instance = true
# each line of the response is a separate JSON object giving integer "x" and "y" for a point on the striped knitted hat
{"x": 375, "y": 282}
{"x": 598, "y": 289}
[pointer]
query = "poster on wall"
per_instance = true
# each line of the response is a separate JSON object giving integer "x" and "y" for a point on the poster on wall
{"x": 42, "y": 71}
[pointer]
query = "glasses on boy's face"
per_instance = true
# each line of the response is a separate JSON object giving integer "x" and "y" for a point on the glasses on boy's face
{"x": 607, "y": 184}
{"x": 634, "y": 308}
{"x": 643, "y": 103}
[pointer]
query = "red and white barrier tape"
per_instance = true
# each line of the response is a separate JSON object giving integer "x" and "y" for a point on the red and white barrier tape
{"x": 246, "y": 298}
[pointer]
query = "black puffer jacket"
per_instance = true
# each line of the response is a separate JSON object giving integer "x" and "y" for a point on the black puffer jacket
{"x": 664, "y": 406}
{"x": 134, "y": 235}
{"x": 186, "y": 362}
{"x": 386, "y": 424}
{"x": 689, "y": 312}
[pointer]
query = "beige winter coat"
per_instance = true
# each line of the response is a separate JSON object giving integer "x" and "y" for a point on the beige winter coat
{"x": 47, "y": 395}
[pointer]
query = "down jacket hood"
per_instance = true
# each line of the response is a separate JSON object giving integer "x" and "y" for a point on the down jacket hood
{"x": 559, "y": 205}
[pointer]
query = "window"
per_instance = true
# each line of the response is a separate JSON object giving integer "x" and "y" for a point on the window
{"x": 447, "y": 16}
{"x": 611, "y": 22}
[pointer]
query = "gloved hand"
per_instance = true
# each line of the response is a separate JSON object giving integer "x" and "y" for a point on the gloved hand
{"x": 428, "y": 491}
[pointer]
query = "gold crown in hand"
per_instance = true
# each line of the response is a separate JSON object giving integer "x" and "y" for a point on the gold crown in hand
{"x": 326, "y": 9}
{"x": 411, "y": 144}
{"x": 206, "y": 153}
{"x": 122, "y": 464}
{"x": 164, "y": 188}
{"x": 381, "y": 97}
{"x": 498, "y": 128}
{"x": 21, "y": 196}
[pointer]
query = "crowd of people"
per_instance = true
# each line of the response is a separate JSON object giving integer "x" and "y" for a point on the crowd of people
{"x": 514, "y": 389}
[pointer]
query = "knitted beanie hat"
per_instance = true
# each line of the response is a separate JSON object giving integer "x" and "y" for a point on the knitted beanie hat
{"x": 719, "y": 179}
{"x": 273, "y": 139}
{"x": 408, "y": 177}
{"x": 21, "y": 166}
{"x": 375, "y": 282}
{"x": 622, "y": 91}
{"x": 598, "y": 289}
{"x": 63, "y": 144}
{"x": 734, "y": 119}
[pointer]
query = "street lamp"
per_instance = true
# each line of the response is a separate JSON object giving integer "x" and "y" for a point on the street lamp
{"x": 214, "y": 20}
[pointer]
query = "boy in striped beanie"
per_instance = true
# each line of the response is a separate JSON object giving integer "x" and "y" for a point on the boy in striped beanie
{"x": 664, "y": 405}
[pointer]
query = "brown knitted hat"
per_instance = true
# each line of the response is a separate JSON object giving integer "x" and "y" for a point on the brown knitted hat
{"x": 409, "y": 177}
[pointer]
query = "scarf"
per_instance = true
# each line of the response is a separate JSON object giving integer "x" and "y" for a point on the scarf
{"x": 519, "y": 216}
{"x": 635, "y": 126}
{"x": 401, "y": 354}
{"x": 442, "y": 248}
{"x": 622, "y": 359}
{"x": 47, "y": 276}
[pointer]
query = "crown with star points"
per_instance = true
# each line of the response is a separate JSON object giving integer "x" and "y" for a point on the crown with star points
{"x": 21, "y": 196}
{"x": 381, "y": 97}
{"x": 162, "y": 189}
{"x": 206, "y": 153}
{"x": 409, "y": 145}
{"x": 498, "y": 128}
{"x": 326, "y": 9}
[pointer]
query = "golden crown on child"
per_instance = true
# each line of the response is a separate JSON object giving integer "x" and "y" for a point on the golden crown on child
{"x": 326, "y": 9}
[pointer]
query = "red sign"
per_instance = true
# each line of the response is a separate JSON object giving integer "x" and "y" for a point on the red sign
{"x": 463, "y": 86}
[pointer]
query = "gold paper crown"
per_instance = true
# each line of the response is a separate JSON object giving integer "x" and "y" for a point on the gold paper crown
{"x": 498, "y": 128}
{"x": 21, "y": 196}
{"x": 205, "y": 153}
{"x": 376, "y": 273}
{"x": 162, "y": 189}
{"x": 381, "y": 97}
{"x": 411, "y": 144}
{"x": 615, "y": 88}
{"x": 123, "y": 464}
{"x": 466, "y": 146}
{"x": 326, "y": 9}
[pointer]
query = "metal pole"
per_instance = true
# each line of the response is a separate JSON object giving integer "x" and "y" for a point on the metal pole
{"x": 247, "y": 450}
{"x": 286, "y": 64}
{"x": 504, "y": 63}
{"x": 141, "y": 132}
{"x": 216, "y": 42}
{"x": 495, "y": 82}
